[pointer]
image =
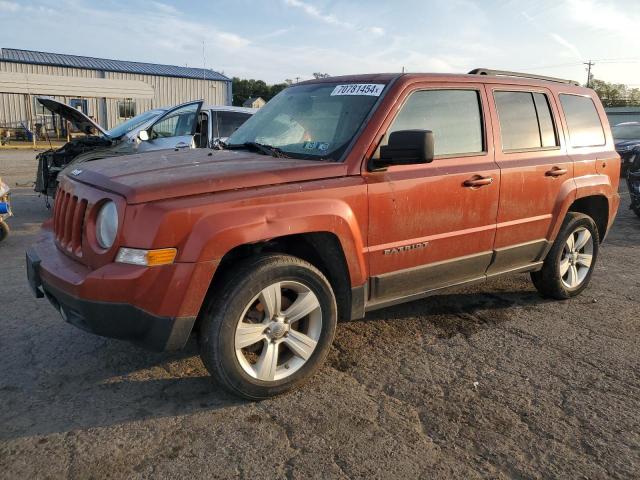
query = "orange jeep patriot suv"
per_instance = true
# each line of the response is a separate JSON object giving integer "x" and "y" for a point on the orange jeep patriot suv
{"x": 341, "y": 196}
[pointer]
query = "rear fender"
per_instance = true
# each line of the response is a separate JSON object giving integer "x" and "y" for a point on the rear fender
{"x": 585, "y": 186}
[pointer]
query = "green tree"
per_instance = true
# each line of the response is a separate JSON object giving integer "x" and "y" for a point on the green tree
{"x": 616, "y": 94}
{"x": 247, "y": 88}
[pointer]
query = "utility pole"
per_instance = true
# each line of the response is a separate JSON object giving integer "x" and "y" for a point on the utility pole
{"x": 589, "y": 64}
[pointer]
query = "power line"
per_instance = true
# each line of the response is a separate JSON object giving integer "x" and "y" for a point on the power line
{"x": 576, "y": 64}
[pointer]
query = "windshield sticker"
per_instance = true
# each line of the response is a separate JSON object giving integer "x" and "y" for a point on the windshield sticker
{"x": 310, "y": 145}
{"x": 323, "y": 146}
{"x": 371, "y": 89}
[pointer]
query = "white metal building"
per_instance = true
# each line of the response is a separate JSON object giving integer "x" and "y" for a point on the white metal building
{"x": 110, "y": 91}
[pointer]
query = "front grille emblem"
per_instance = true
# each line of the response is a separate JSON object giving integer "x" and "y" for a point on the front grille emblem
{"x": 76, "y": 172}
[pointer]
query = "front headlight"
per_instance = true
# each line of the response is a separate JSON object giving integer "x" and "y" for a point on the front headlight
{"x": 107, "y": 225}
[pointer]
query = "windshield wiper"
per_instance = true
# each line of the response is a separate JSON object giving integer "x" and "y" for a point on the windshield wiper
{"x": 262, "y": 148}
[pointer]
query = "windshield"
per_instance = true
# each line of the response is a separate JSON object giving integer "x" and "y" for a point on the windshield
{"x": 626, "y": 132}
{"x": 133, "y": 123}
{"x": 316, "y": 121}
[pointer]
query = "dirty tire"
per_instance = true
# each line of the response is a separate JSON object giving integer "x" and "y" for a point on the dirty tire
{"x": 228, "y": 306}
{"x": 548, "y": 281}
{"x": 4, "y": 231}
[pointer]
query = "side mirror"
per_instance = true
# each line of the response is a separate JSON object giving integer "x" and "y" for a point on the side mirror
{"x": 143, "y": 135}
{"x": 407, "y": 147}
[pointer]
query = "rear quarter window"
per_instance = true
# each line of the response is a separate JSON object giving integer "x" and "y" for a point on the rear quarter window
{"x": 583, "y": 121}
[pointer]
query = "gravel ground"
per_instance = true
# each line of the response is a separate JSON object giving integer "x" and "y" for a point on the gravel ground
{"x": 490, "y": 381}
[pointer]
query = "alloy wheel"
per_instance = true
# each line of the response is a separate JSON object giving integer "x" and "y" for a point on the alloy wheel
{"x": 278, "y": 331}
{"x": 576, "y": 258}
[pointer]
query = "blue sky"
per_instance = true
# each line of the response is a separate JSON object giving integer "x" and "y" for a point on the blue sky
{"x": 278, "y": 39}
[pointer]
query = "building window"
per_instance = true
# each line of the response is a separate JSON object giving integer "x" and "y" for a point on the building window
{"x": 79, "y": 104}
{"x": 126, "y": 109}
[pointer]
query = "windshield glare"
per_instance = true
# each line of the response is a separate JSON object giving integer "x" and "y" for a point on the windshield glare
{"x": 313, "y": 121}
{"x": 133, "y": 123}
{"x": 626, "y": 132}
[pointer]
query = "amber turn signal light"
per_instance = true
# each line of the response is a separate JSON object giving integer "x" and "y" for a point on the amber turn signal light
{"x": 147, "y": 258}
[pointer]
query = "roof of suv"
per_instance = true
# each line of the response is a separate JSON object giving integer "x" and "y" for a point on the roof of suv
{"x": 453, "y": 77}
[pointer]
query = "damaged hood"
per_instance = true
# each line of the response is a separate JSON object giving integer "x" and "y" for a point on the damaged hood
{"x": 170, "y": 174}
{"x": 74, "y": 116}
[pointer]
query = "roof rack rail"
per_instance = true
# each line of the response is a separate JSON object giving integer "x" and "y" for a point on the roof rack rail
{"x": 505, "y": 73}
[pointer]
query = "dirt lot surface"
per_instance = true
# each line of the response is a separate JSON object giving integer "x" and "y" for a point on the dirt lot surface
{"x": 489, "y": 381}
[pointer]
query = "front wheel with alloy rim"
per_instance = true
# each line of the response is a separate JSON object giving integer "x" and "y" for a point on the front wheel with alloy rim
{"x": 568, "y": 267}
{"x": 269, "y": 327}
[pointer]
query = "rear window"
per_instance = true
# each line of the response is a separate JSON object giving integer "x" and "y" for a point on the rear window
{"x": 585, "y": 128}
{"x": 525, "y": 121}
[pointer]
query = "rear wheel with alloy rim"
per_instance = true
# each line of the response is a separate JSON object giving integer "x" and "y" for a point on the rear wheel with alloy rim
{"x": 568, "y": 267}
{"x": 577, "y": 255}
{"x": 270, "y": 327}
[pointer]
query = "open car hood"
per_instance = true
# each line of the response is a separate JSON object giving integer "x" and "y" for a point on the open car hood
{"x": 76, "y": 117}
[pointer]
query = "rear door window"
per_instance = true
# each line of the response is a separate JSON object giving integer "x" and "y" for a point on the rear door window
{"x": 454, "y": 117}
{"x": 525, "y": 120}
{"x": 585, "y": 127}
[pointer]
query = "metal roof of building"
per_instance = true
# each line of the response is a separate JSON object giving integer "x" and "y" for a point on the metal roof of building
{"x": 92, "y": 63}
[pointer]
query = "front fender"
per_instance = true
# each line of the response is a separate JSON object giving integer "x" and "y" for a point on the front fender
{"x": 215, "y": 235}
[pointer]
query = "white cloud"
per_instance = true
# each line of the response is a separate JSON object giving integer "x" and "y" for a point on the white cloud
{"x": 8, "y": 6}
{"x": 231, "y": 40}
{"x": 568, "y": 45}
{"x": 377, "y": 30}
{"x": 165, "y": 8}
{"x": 603, "y": 16}
{"x": 314, "y": 12}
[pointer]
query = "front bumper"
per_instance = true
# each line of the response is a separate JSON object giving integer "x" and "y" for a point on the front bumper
{"x": 152, "y": 307}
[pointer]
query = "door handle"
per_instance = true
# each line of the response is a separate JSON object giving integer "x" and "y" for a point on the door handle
{"x": 556, "y": 172}
{"x": 181, "y": 145}
{"x": 478, "y": 181}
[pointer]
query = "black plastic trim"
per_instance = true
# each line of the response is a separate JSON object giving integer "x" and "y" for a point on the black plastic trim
{"x": 113, "y": 320}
